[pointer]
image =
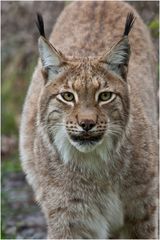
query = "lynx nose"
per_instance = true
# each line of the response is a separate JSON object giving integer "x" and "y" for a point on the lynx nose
{"x": 87, "y": 124}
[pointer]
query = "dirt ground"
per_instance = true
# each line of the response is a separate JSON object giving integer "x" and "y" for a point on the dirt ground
{"x": 21, "y": 217}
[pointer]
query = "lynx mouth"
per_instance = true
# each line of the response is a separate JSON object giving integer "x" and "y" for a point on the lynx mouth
{"x": 86, "y": 139}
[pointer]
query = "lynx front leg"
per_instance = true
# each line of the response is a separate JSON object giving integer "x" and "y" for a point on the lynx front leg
{"x": 142, "y": 227}
{"x": 78, "y": 224}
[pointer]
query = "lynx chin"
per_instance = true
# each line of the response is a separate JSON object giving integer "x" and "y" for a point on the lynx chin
{"x": 88, "y": 137}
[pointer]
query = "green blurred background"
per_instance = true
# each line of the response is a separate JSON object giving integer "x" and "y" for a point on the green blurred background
{"x": 21, "y": 217}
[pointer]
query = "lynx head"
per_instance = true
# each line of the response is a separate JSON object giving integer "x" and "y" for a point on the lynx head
{"x": 84, "y": 102}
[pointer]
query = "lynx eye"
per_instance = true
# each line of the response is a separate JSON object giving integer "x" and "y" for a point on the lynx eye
{"x": 105, "y": 96}
{"x": 67, "y": 96}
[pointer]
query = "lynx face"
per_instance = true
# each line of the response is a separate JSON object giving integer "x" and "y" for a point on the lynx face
{"x": 86, "y": 104}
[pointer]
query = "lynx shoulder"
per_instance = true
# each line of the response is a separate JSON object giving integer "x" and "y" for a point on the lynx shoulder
{"x": 88, "y": 140}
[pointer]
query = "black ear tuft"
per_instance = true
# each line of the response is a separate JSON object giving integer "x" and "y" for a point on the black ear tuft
{"x": 40, "y": 24}
{"x": 129, "y": 23}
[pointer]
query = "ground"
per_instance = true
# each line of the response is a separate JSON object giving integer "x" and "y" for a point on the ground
{"x": 21, "y": 217}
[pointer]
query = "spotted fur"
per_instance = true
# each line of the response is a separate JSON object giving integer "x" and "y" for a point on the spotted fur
{"x": 99, "y": 183}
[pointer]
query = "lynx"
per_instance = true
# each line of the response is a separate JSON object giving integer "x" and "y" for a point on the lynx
{"x": 88, "y": 140}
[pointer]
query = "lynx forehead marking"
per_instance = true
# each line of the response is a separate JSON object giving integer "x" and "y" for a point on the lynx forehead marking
{"x": 88, "y": 77}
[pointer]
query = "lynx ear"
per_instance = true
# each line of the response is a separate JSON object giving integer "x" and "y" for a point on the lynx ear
{"x": 50, "y": 57}
{"x": 118, "y": 57}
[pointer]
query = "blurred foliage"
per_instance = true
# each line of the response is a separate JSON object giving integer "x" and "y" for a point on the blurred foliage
{"x": 3, "y": 235}
{"x": 11, "y": 164}
{"x": 15, "y": 80}
{"x": 154, "y": 27}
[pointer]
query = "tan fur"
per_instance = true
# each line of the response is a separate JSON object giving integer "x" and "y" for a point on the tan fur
{"x": 108, "y": 191}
